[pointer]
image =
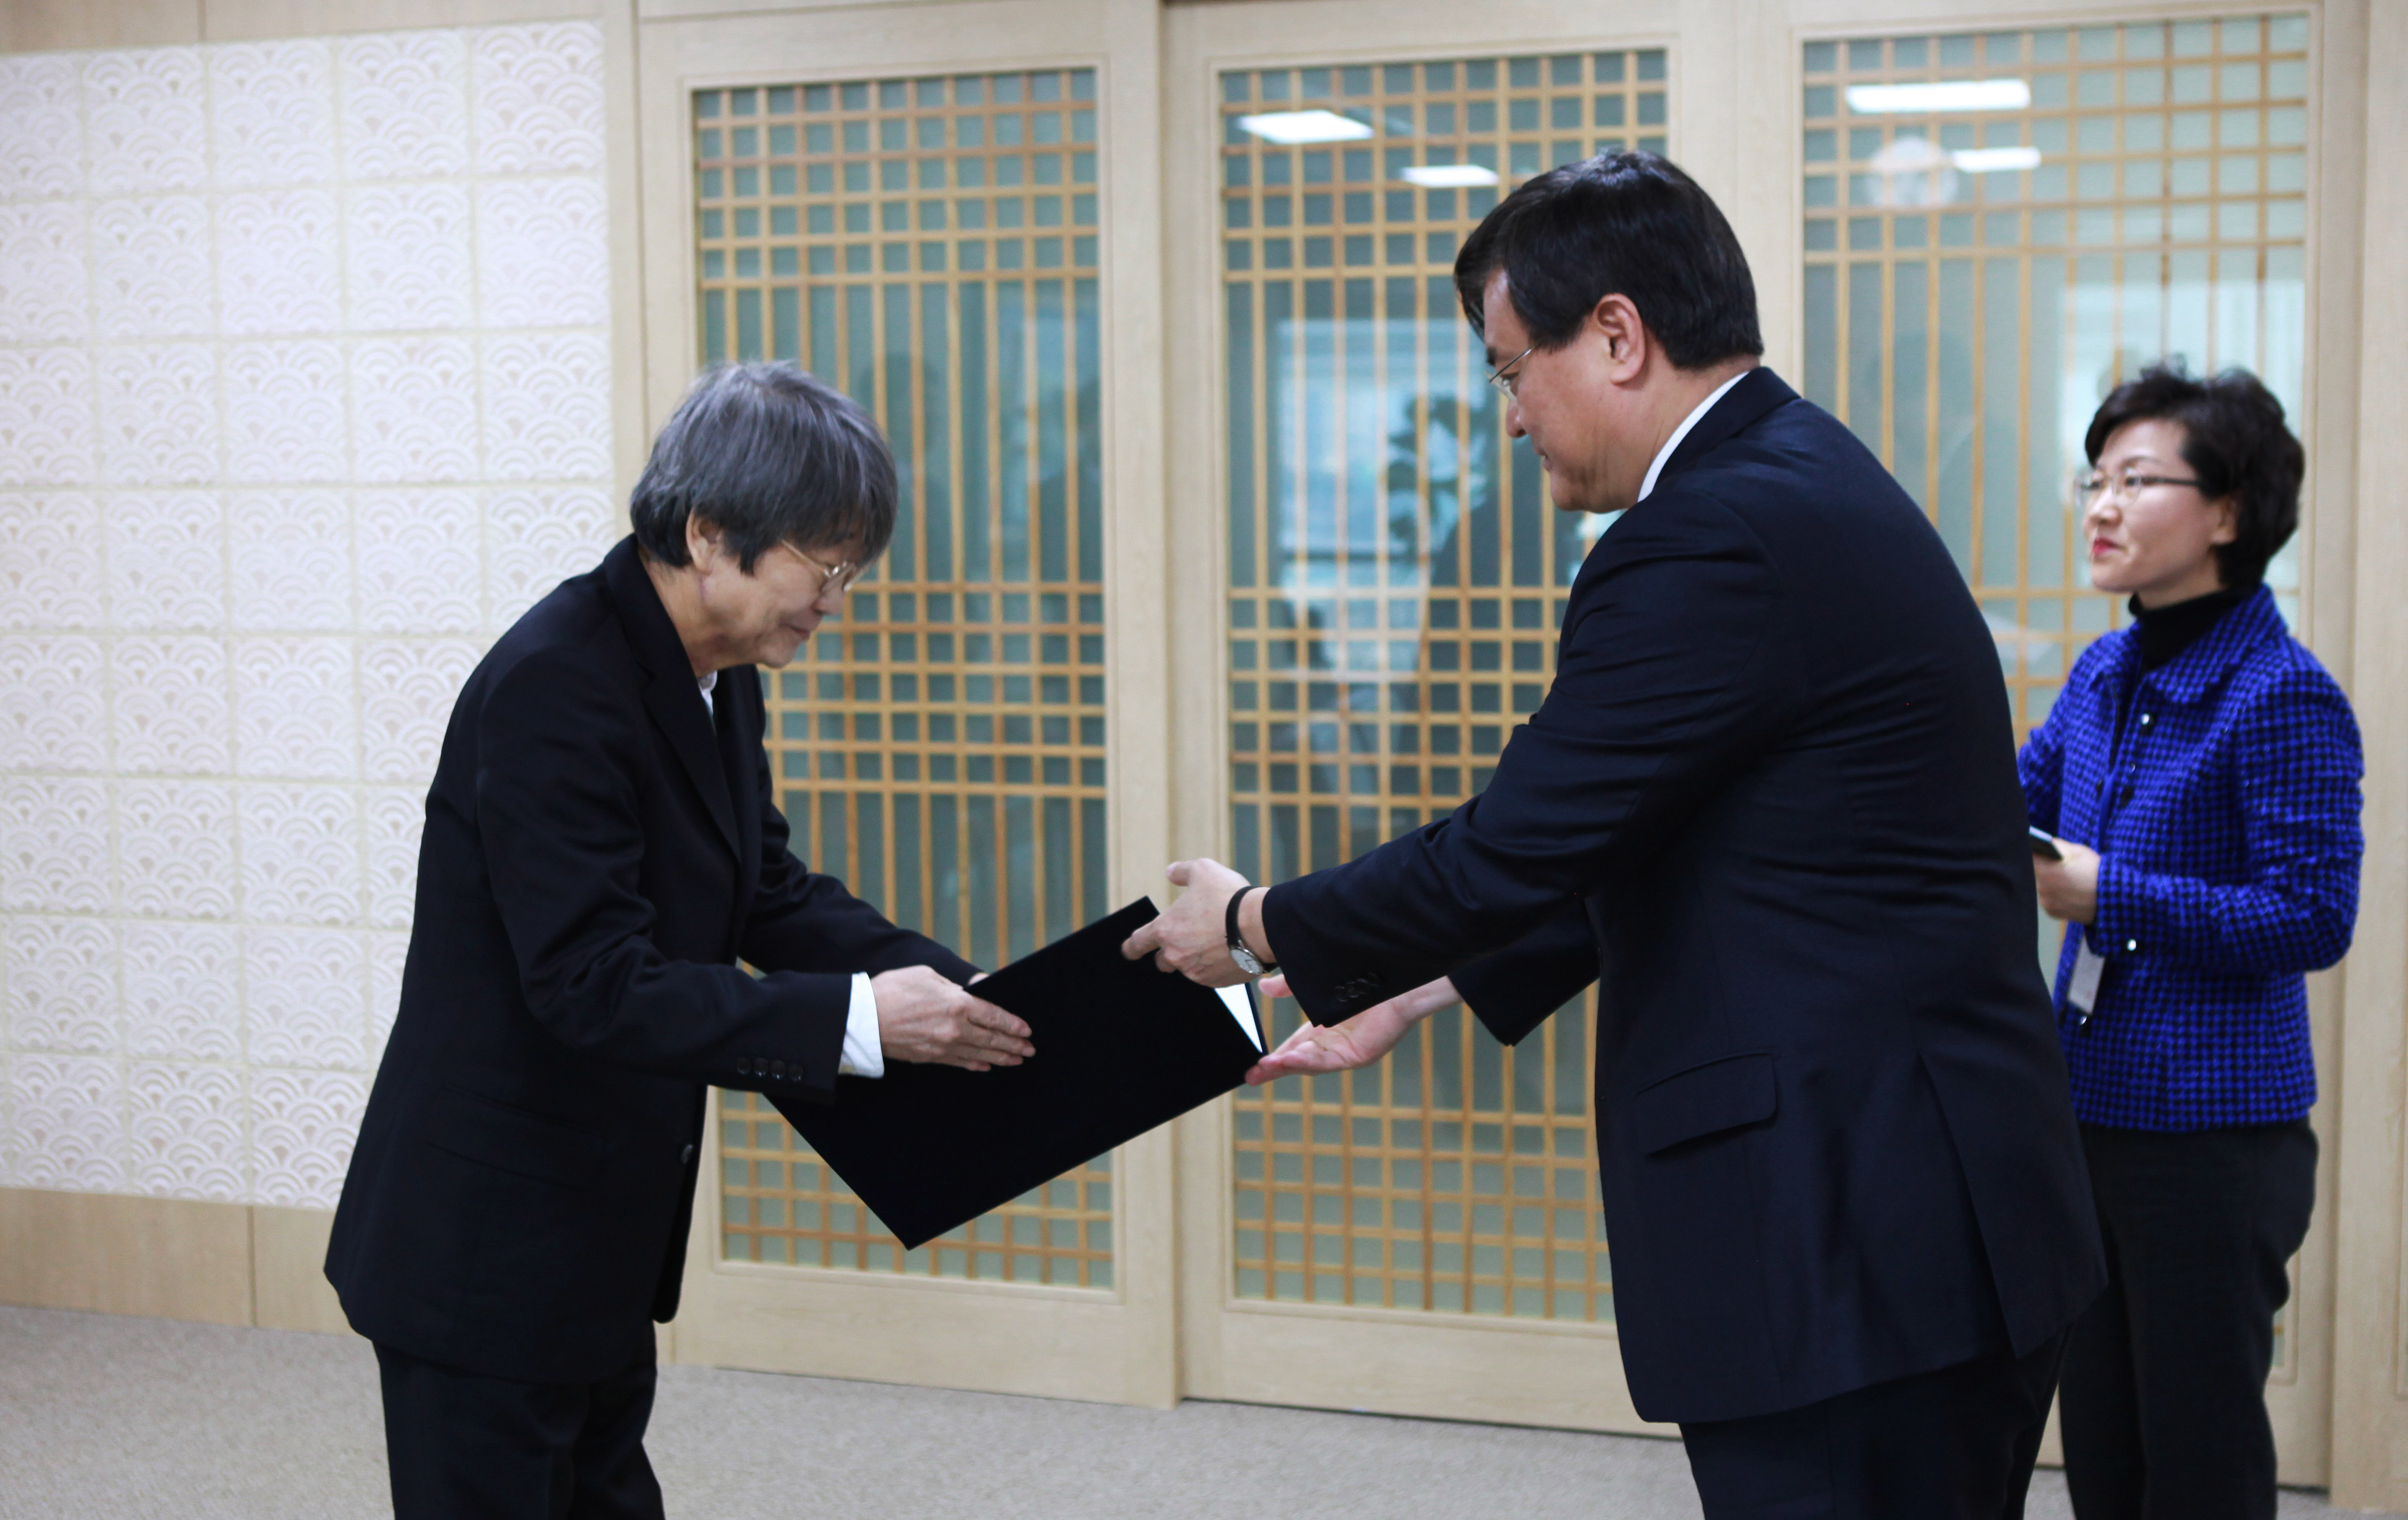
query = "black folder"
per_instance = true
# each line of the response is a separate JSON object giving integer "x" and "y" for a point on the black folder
{"x": 1121, "y": 1048}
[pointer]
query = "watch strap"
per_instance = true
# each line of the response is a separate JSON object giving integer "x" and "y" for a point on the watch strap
{"x": 1247, "y": 960}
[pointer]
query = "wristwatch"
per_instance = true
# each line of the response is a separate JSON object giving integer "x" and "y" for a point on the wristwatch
{"x": 1248, "y": 962}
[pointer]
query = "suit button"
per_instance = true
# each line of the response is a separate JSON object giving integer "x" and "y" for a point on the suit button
{"x": 685, "y": 1158}
{"x": 2132, "y": 944}
{"x": 778, "y": 1070}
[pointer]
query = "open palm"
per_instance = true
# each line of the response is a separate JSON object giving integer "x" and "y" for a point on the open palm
{"x": 1358, "y": 1041}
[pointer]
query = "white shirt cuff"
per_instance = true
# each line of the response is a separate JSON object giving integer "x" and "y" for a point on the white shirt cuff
{"x": 864, "y": 1053}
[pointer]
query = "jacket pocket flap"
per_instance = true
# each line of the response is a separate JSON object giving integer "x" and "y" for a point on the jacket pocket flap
{"x": 1703, "y": 1100}
{"x": 514, "y": 1141}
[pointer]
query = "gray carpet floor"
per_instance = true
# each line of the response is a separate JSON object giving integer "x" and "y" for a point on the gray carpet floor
{"x": 103, "y": 1416}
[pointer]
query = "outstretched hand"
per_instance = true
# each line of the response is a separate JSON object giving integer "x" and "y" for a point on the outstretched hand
{"x": 1192, "y": 936}
{"x": 924, "y": 1017}
{"x": 1358, "y": 1041}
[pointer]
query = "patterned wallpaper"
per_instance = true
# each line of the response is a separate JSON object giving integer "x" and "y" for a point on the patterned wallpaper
{"x": 303, "y": 396}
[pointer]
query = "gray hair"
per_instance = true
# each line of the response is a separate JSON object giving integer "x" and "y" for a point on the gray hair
{"x": 767, "y": 454}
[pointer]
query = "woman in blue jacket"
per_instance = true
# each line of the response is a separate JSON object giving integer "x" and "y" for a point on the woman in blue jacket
{"x": 2200, "y": 774}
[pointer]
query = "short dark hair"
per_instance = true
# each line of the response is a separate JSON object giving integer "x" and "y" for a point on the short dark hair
{"x": 2234, "y": 440}
{"x": 767, "y": 454}
{"x": 1627, "y": 223}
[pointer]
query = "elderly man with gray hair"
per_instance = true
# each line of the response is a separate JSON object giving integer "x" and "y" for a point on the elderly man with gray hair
{"x": 601, "y": 848}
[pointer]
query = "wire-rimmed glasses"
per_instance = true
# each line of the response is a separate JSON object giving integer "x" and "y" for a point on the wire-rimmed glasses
{"x": 2090, "y": 484}
{"x": 837, "y": 577}
{"x": 1505, "y": 381}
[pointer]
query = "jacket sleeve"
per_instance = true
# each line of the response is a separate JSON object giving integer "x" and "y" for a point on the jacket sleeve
{"x": 2039, "y": 765}
{"x": 1514, "y": 990}
{"x": 2297, "y": 764}
{"x": 1663, "y": 690}
{"x": 562, "y": 753}
{"x": 804, "y": 920}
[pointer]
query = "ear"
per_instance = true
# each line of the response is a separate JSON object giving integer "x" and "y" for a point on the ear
{"x": 703, "y": 542}
{"x": 1615, "y": 325}
{"x": 2228, "y": 520}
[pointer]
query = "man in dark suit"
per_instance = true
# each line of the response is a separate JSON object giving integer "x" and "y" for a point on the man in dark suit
{"x": 600, "y": 850}
{"x": 1771, "y": 798}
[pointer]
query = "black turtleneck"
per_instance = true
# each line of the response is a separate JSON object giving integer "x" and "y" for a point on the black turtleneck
{"x": 2167, "y": 631}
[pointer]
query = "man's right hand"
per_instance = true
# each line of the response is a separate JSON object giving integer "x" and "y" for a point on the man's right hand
{"x": 924, "y": 1017}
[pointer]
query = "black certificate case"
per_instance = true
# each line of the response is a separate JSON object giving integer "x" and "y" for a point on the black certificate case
{"x": 1121, "y": 1048}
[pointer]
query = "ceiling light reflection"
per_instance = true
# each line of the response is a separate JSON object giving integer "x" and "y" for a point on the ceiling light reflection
{"x": 1448, "y": 176}
{"x": 1291, "y": 127}
{"x": 1993, "y": 160}
{"x": 1941, "y": 95}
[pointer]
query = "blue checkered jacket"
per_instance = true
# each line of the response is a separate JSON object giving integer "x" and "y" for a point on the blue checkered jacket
{"x": 2223, "y": 800}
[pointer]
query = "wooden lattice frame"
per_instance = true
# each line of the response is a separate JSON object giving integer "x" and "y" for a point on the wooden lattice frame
{"x": 1396, "y": 579}
{"x": 2168, "y": 215}
{"x": 932, "y": 246}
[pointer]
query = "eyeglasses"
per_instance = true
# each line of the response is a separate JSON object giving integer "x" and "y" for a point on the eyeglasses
{"x": 833, "y": 578}
{"x": 1505, "y": 382}
{"x": 2092, "y": 485}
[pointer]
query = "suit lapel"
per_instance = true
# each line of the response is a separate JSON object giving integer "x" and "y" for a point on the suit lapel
{"x": 741, "y": 720}
{"x": 670, "y": 696}
{"x": 677, "y": 706}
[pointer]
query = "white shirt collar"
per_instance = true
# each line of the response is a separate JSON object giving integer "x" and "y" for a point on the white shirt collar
{"x": 1648, "y": 485}
{"x": 706, "y": 685}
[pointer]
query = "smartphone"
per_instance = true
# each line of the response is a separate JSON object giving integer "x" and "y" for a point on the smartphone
{"x": 2044, "y": 845}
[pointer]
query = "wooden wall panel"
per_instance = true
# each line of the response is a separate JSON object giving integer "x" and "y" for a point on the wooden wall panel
{"x": 2370, "y": 1443}
{"x": 172, "y": 1258}
{"x": 44, "y": 25}
{"x": 168, "y": 1259}
{"x": 288, "y": 1272}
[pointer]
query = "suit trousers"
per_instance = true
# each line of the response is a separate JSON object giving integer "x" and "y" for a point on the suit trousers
{"x": 1952, "y": 1444}
{"x": 2165, "y": 1376}
{"x": 462, "y": 1447}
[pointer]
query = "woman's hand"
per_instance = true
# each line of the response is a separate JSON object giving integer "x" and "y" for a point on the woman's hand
{"x": 2069, "y": 888}
{"x": 1358, "y": 1041}
{"x": 924, "y": 1017}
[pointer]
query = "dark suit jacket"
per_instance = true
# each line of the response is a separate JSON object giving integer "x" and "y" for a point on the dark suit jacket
{"x": 1773, "y": 793}
{"x": 598, "y": 852}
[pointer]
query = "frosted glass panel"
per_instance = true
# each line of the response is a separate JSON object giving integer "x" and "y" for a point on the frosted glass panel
{"x": 931, "y": 246}
{"x": 1978, "y": 278}
{"x": 1396, "y": 577}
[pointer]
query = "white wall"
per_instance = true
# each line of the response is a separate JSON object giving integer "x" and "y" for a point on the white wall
{"x": 303, "y": 396}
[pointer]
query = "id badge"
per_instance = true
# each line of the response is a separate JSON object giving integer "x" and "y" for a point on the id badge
{"x": 2082, "y": 991}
